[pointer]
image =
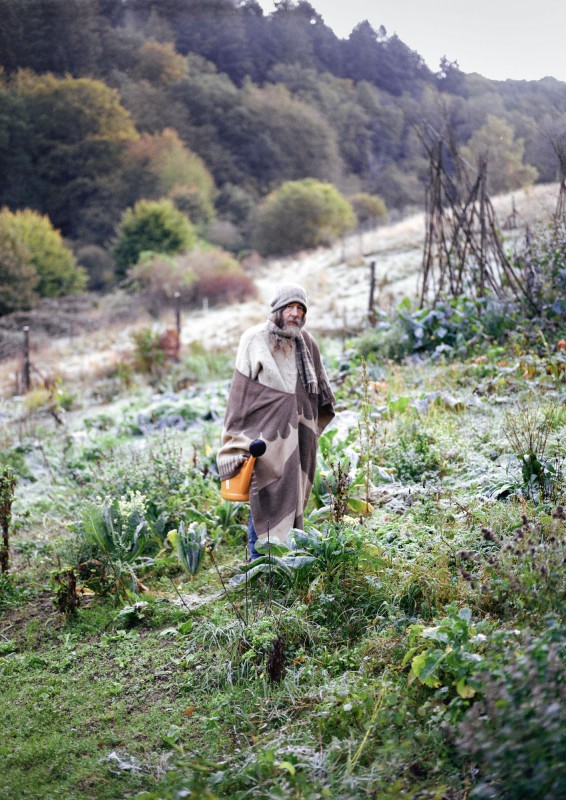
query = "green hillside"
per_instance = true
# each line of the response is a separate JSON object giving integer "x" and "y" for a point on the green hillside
{"x": 215, "y": 105}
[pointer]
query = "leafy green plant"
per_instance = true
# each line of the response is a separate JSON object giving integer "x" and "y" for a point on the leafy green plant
{"x": 311, "y": 553}
{"x": 453, "y": 327}
{"x": 275, "y": 561}
{"x": 229, "y": 520}
{"x": 175, "y": 484}
{"x": 130, "y": 616}
{"x": 413, "y": 454}
{"x": 445, "y": 657}
{"x": 189, "y": 544}
{"x": 333, "y": 568}
{"x": 118, "y": 531}
{"x": 15, "y": 458}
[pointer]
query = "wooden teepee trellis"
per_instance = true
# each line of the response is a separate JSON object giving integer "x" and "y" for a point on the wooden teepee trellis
{"x": 559, "y": 148}
{"x": 463, "y": 252}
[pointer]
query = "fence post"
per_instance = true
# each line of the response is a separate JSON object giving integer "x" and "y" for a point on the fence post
{"x": 26, "y": 372}
{"x": 371, "y": 312}
{"x": 177, "y": 298}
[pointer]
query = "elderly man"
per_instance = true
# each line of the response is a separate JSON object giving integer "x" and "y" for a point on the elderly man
{"x": 279, "y": 393}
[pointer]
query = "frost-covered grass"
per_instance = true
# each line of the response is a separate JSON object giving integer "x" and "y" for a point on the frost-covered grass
{"x": 357, "y": 676}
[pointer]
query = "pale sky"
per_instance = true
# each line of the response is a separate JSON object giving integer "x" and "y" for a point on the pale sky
{"x": 500, "y": 39}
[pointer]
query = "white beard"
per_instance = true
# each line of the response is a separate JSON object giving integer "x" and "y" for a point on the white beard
{"x": 291, "y": 331}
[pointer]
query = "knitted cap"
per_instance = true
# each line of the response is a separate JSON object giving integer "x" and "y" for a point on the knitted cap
{"x": 288, "y": 293}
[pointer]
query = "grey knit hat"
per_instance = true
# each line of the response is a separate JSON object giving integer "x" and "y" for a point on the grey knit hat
{"x": 288, "y": 293}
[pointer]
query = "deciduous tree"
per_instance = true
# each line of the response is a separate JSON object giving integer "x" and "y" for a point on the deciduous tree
{"x": 299, "y": 215}
{"x": 65, "y": 151}
{"x": 506, "y": 169}
{"x": 18, "y": 277}
{"x": 36, "y": 244}
{"x": 154, "y": 226}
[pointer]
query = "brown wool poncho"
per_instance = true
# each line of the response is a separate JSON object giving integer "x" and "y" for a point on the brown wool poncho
{"x": 290, "y": 424}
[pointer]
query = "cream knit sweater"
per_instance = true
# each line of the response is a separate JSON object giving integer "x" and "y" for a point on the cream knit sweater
{"x": 260, "y": 360}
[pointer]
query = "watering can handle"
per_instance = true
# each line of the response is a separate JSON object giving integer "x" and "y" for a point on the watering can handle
{"x": 257, "y": 448}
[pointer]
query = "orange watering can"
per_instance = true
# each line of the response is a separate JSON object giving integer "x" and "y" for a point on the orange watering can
{"x": 237, "y": 488}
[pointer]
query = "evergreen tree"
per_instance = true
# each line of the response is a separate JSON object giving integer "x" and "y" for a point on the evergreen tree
{"x": 50, "y": 36}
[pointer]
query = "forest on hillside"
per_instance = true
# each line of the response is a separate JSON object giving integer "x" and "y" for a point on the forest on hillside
{"x": 214, "y": 106}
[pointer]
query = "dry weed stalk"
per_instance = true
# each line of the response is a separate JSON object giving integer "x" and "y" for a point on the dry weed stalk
{"x": 527, "y": 429}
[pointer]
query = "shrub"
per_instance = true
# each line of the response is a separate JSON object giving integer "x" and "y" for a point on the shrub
{"x": 368, "y": 208}
{"x": 18, "y": 276}
{"x": 516, "y": 733}
{"x": 99, "y": 266}
{"x": 190, "y": 201}
{"x": 234, "y": 204}
{"x": 158, "y": 278}
{"x": 148, "y": 353}
{"x": 225, "y": 234}
{"x": 234, "y": 287}
{"x": 301, "y": 214}
{"x": 166, "y": 165}
{"x": 151, "y": 226}
{"x": 32, "y": 241}
{"x": 219, "y": 278}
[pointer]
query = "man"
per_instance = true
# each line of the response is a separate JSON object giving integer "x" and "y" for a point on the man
{"x": 280, "y": 393}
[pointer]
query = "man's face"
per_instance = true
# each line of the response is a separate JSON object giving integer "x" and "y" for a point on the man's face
{"x": 293, "y": 314}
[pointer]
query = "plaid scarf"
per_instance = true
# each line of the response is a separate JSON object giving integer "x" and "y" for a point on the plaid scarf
{"x": 303, "y": 358}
